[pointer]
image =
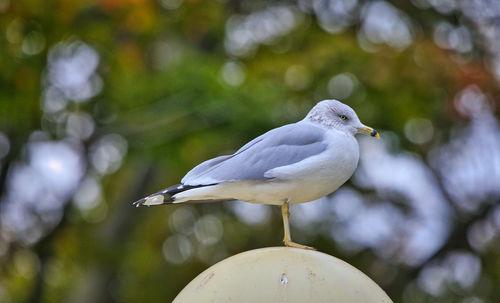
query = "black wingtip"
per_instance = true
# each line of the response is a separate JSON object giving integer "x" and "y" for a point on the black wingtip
{"x": 166, "y": 195}
{"x": 138, "y": 203}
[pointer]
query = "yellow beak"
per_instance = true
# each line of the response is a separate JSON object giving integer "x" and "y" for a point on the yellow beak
{"x": 365, "y": 130}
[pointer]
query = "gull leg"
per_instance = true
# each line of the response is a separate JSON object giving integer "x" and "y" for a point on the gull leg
{"x": 287, "y": 239}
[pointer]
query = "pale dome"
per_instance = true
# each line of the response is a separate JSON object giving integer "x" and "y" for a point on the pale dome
{"x": 282, "y": 274}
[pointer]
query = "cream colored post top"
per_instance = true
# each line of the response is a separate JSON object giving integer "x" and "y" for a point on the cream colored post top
{"x": 282, "y": 274}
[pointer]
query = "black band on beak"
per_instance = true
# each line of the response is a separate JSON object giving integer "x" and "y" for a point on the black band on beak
{"x": 374, "y": 133}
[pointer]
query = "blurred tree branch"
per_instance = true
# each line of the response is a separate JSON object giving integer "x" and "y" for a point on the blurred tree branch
{"x": 113, "y": 234}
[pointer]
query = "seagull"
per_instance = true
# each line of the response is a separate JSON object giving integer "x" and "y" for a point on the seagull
{"x": 294, "y": 163}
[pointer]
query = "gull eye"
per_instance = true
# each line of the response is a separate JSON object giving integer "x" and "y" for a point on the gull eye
{"x": 343, "y": 117}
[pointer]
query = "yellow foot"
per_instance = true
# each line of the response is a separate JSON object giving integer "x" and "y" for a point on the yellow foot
{"x": 297, "y": 245}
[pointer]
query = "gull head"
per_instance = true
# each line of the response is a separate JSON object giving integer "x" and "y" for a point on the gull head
{"x": 336, "y": 115}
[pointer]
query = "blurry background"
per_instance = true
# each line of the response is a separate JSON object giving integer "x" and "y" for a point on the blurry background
{"x": 103, "y": 102}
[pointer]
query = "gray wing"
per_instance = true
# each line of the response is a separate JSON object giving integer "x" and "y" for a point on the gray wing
{"x": 281, "y": 146}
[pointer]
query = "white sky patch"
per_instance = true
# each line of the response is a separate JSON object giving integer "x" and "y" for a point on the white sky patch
{"x": 335, "y": 15}
{"x": 38, "y": 189}
{"x": 427, "y": 225}
{"x": 71, "y": 68}
{"x": 251, "y": 214}
{"x": 383, "y": 23}
{"x": 244, "y": 33}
